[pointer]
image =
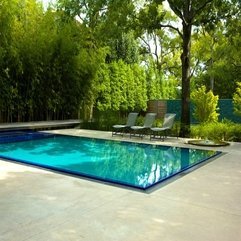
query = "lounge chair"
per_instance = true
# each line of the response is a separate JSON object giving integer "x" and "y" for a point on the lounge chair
{"x": 141, "y": 130}
{"x": 121, "y": 129}
{"x": 161, "y": 132}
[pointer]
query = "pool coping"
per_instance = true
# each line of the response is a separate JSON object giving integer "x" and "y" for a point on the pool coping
{"x": 105, "y": 180}
{"x": 40, "y": 205}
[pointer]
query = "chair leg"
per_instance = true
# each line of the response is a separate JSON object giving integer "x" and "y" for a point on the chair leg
{"x": 116, "y": 132}
{"x": 159, "y": 135}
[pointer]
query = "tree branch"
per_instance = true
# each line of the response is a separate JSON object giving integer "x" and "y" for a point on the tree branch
{"x": 194, "y": 68}
{"x": 146, "y": 43}
{"x": 175, "y": 9}
{"x": 171, "y": 51}
{"x": 79, "y": 16}
{"x": 172, "y": 27}
{"x": 202, "y": 6}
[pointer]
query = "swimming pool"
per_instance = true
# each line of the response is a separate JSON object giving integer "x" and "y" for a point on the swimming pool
{"x": 135, "y": 165}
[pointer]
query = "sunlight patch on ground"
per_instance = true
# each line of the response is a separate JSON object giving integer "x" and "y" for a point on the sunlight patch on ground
{"x": 8, "y": 169}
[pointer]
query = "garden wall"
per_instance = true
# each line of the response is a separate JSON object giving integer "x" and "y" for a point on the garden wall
{"x": 174, "y": 106}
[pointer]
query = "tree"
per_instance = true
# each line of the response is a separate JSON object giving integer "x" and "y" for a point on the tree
{"x": 189, "y": 13}
{"x": 216, "y": 56}
{"x": 104, "y": 32}
{"x": 125, "y": 47}
{"x": 48, "y": 63}
{"x": 121, "y": 87}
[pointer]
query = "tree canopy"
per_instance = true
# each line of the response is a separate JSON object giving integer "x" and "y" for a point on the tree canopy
{"x": 80, "y": 55}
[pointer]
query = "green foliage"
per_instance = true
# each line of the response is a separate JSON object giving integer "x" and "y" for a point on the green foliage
{"x": 151, "y": 15}
{"x": 237, "y": 99}
{"x": 48, "y": 63}
{"x": 226, "y": 131}
{"x": 121, "y": 86}
{"x": 211, "y": 53}
{"x": 124, "y": 48}
{"x": 119, "y": 55}
{"x": 104, "y": 120}
{"x": 140, "y": 88}
{"x": 205, "y": 105}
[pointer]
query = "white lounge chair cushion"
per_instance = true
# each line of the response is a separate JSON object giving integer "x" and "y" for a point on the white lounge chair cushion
{"x": 137, "y": 127}
{"x": 159, "y": 129}
{"x": 119, "y": 126}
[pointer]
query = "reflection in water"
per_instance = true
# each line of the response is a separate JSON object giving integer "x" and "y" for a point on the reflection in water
{"x": 138, "y": 165}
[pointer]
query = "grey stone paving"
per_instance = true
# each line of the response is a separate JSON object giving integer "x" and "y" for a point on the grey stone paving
{"x": 204, "y": 205}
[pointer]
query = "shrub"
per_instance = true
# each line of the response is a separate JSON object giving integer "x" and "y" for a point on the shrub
{"x": 205, "y": 103}
{"x": 226, "y": 131}
{"x": 237, "y": 99}
{"x": 104, "y": 120}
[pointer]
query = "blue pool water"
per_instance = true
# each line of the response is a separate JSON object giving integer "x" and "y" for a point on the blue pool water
{"x": 131, "y": 164}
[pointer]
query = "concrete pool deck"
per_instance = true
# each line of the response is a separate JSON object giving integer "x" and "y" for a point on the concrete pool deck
{"x": 203, "y": 205}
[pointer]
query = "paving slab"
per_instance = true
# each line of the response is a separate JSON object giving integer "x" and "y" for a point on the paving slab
{"x": 202, "y": 205}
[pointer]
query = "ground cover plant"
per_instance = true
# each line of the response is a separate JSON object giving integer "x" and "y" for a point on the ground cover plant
{"x": 220, "y": 131}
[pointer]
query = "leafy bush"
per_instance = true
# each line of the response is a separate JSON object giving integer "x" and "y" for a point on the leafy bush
{"x": 235, "y": 133}
{"x": 205, "y": 105}
{"x": 226, "y": 131}
{"x": 120, "y": 86}
{"x": 104, "y": 120}
{"x": 237, "y": 99}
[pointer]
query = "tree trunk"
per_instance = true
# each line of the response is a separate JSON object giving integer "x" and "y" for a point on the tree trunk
{"x": 185, "y": 58}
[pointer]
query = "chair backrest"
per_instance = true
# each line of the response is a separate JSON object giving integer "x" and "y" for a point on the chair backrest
{"x": 169, "y": 120}
{"x": 149, "y": 120}
{"x": 131, "y": 120}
